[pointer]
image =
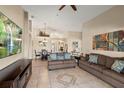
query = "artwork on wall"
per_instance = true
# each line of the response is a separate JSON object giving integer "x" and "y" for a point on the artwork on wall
{"x": 75, "y": 45}
{"x": 113, "y": 41}
{"x": 10, "y": 37}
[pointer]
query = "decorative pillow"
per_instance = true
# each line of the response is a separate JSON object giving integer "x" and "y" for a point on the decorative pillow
{"x": 122, "y": 71}
{"x": 118, "y": 66}
{"x": 67, "y": 56}
{"x": 52, "y": 57}
{"x": 93, "y": 59}
{"x": 60, "y": 56}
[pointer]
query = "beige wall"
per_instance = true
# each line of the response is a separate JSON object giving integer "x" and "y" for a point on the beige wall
{"x": 109, "y": 21}
{"x": 73, "y": 35}
{"x": 16, "y": 14}
{"x": 26, "y": 37}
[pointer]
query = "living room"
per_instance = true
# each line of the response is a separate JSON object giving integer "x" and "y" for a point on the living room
{"x": 50, "y": 50}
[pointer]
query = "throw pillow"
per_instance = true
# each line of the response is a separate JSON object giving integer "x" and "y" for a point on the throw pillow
{"x": 122, "y": 71}
{"x": 67, "y": 56}
{"x": 60, "y": 56}
{"x": 52, "y": 57}
{"x": 93, "y": 59}
{"x": 118, "y": 66}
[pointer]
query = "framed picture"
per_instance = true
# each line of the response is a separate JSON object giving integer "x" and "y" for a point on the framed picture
{"x": 75, "y": 45}
{"x": 113, "y": 41}
{"x": 10, "y": 37}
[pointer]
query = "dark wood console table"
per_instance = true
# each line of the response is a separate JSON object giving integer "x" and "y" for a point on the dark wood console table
{"x": 16, "y": 75}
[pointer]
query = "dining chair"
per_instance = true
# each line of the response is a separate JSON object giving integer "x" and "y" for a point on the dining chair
{"x": 37, "y": 54}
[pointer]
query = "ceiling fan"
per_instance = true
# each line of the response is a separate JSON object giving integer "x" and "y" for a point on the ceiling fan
{"x": 72, "y": 6}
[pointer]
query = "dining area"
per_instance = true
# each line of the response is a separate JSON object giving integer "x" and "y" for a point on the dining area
{"x": 43, "y": 54}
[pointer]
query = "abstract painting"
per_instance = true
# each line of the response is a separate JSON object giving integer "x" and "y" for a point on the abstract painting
{"x": 113, "y": 41}
{"x": 10, "y": 37}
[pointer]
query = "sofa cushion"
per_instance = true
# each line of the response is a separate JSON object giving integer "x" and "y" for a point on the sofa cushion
{"x": 118, "y": 66}
{"x": 55, "y": 62}
{"x": 86, "y": 57}
{"x": 52, "y": 56}
{"x": 85, "y": 63}
{"x": 93, "y": 58}
{"x": 102, "y": 60}
{"x": 114, "y": 75}
{"x": 97, "y": 67}
{"x": 109, "y": 62}
{"x": 69, "y": 62}
{"x": 67, "y": 56}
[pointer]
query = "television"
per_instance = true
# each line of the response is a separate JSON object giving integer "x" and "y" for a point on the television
{"x": 10, "y": 37}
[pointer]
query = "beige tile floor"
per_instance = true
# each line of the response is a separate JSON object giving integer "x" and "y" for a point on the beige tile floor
{"x": 41, "y": 76}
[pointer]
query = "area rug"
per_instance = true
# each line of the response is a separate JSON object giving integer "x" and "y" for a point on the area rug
{"x": 74, "y": 78}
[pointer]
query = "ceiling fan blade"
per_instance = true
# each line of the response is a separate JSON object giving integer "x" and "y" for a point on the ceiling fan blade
{"x": 61, "y": 7}
{"x": 74, "y": 7}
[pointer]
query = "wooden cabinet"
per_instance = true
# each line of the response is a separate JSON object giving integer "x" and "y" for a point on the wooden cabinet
{"x": 19, "y": 77}
{"x": 21, "y": 81}
{"x": 24, "y": 78}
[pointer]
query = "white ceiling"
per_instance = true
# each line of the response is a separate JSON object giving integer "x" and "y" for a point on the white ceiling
{"x": 65, "y": 20}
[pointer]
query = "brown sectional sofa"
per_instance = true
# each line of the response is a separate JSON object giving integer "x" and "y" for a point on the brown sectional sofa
{"x": 103, "y": 70}
{"x": 63, "y": 63}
